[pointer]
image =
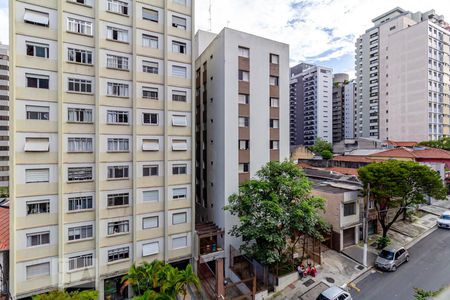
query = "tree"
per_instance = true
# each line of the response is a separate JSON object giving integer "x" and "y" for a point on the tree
{"x": 64, "y": 295}
{"x": 443, "y": 143}
{"x": 396, "y": 186}
{"x": 186, "y": 278}
{"x": 421, "y": 294}
{"x": 322, "y": 148}
{"x": 273, "y": 208}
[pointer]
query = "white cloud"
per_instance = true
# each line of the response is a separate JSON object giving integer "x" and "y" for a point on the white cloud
{"x": 4, "y": 25}
{"x": 322, "y": 30}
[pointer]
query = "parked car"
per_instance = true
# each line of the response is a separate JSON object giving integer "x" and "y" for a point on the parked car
{"x": 444, "y": 220}
{"x": 334, "y": 293}
{"x": 390, "y": 258}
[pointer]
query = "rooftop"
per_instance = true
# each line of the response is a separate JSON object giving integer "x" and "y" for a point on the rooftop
{"x": 4, "y": 228}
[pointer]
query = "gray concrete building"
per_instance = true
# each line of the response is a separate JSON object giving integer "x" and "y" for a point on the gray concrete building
{"x": 340, "y": 80}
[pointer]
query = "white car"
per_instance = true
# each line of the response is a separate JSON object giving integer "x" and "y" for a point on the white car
{"x": 334, "y": 293}
{"x": 444, "y": 220}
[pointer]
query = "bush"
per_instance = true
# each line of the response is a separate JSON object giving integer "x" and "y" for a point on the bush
{"x": 63, "y": 295}
{"x": 383, "y": 242}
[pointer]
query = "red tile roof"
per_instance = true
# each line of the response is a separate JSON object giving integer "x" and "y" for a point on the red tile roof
{"x": 432, "y": 153}
{"x": 4, "y": 228}
{"x": 345, "y": 171}
{"x": 304, "y": 165}
{"x": 402, "y": 144}
{"x": 397, "y": 152}
{"x": 354, "y": 158}
{"x": 428, "y": 153}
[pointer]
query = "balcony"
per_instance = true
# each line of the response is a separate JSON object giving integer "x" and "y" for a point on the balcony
{"x": 209, "y": 241}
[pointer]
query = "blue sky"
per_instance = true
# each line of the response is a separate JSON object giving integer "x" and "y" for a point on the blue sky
{"x": 318, "y": 31}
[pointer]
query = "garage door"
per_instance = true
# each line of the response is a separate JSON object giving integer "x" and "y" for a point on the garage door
{"x": 349, "y": 237}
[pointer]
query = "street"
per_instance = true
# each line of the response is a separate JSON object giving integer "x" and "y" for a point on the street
{"x": 428, "y": 268}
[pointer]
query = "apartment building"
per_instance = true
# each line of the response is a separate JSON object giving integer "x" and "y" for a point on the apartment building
{"x": 242, "y": 109}
{"x": 4, "y": 116}
{"x": 101, "y": 137}
{"x": 403, "y": 76}
{"x": 340, "y": 80}
{"x": 311, "y": 111}
{"x": 349, "y": 109}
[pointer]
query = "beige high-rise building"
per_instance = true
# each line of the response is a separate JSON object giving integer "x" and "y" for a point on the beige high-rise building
{"x": 101, "y": 141}
{"x": 4, "y": 116}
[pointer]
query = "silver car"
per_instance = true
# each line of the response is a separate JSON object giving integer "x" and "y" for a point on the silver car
{"x": 390, "y": 258}
{"x": 334, "y": 293}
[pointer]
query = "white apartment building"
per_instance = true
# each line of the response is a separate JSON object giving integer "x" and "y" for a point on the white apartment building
{"x": 349, "y": 109}
{"x": 403, "y": 77}
{"x": 311, "y": 111}
{"x": 4, "y": 116}
{"x": 101, "y": 139}
{"x": 242, "y": 119}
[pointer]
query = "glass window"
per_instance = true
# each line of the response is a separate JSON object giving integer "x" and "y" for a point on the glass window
{"x": 79, "y": 145}
{"x": 179, "y": 71}
{"x": 79, "y": 26}
{"x": 79, "y": 115}
{"x": 38, "y": 207}
{"x": 118, "y": 7}
{"x": 79, "y": 56}
{"x": 37, "y": 49}
{"x": 118, "y": 254}
{"x": 37, "y": 112}
{"x": 349, "y": 209}
{"x": 150, "y": 15}
{"x": 243, "y": 99}
{"x": 150, "y": 118}
{"x": 151, "y": 67}
{"x": 38, "y": 239}
{"x": 179, "y": 218}
{"x": 75, "y": 174}
{"x": 150, "y": 222}
{"x": 150, "y": 170}
{"x": 80, "y": 262}
{"x": 80, "y": 203}
{"x": 244, "y": 52}
{"x": 36, "y": 17}
{"x": 274, "y": 102}
{"x": 150, "y": 249}
{"x": 37, "y": 81}
{"x": 150, "y": 93}
{"x": 273, "y": 80}
{"x": 37, "y": 175}
{"x": 178, "y": 47}
{"x": 120, "y": 199}
{"x": 116, "y": 62}
{"x": 118, "y": 145}
{"x": 37, "y": 270}
{"x": 179, "y": 96}
{"x": 179, "y": 193}
{"x": 150, "y": 41}
{"x": 76, "y": 85}
{"x": 117, "y": 34}
{"x": 243, "y": 121}
{"x": 179, "y": 169}
{"x": 118, "y": 227}
{"x": 274, "y": 59}
{"x": 179, "y": 22}
{"x": 118, "y": 172}
{"x": 244, "y": 76}
{"x": 151, "y": 196}
{"x": 117, "y": 117}
{"x": 80, "y": 232}
{"x": 179, "y": 242}
{"x": 115, "y": 89}
{"x": 243, "y": 168}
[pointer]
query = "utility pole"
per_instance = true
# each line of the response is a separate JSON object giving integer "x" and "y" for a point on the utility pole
{"x": 366, "y": 226}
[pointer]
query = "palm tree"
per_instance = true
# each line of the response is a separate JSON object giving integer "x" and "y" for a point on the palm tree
{"x": 187, "y": 277}
{"x": 134, "y": 278}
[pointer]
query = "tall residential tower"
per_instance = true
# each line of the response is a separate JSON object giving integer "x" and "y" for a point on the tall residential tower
{"x": 4, "y": 116}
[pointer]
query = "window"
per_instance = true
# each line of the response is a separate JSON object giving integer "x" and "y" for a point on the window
{"x": 79, "y": 145}
{"x": 244, "y": 52}
{"x": 179, "y": 71}
{"x": 244, "y": 75}
{"x": 85, "y": 2}
{"x": 179, "y": 120}
{"x": 36, "y": 17}
{"x": 243, "y": 121}
{"x": 118, "y": 7}
{"x": 179, "y": 218}
{"x": 37, "y": 175}
{"x": 79, "y": 26}
{"x": 80, "y": 85}
{"x": 179, "y": 242}
{"x": 150, "y": 93}
{"x": 80, "y": 262}
{"x": 179, "y": 96}
{"x": 273, "y": 80}
{"x": 38, "y": 239}
{"x": 150, "y": 222}
{"x": 274, "y": 123}
{"x": 179, "y": 22}
{"x": 37, "y": 81}
{"x": 274, "y": 59}
{"x": 274, "y": 102}
{"x": 180, "y": 2}
{"x": 179, "y": 169}
{"x": 150, "y": 249}
{"x": 118, "y": 254}
{"x": 36, "y": 144}
{"x": 118, "y": 145}
{"x": 117, "y": 117}
{"x": 118, "y": 227}
{"x": 37, "y": 112}
{"x": 150, "y": 196}
{"x": 80, "y": 203}
{"x": 79, "y": 115}
{"x": 38, "y": 207}
{"x": 178, "y": 47}
{"x": 244, "y": 144}
{"x": 150, "y": 170}
{"x": 243, "y": 168}
{"x": 80, "y": 233}
{"x": 150, "y": 41}
{"x": 179, "y": 193}
{"x": 243, "y": 99}
{"x": 116, "y": 62}
{"x": 150, "y": 15}
{"x": 79, "y": 56}
{"x": 118, "y": 172}
{"x": 349, "y": 209}
{"x": 116, "y": 34}
{"x": 42, "y": 269}
{"x": 37, "y": 49}
{"x": 150, "y": 118}
{"x": 151, "y": 67}
{"x": 118, "y": 199}
{"x": 150, "y": 145}
{"x": 179, "y": 145}
{"x": 118, "y": 89}
{"x": 274, "y": 145}
{"x": 75, "y": 174}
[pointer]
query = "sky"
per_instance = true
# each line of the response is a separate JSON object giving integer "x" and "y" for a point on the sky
{"x": 318, "y": 31}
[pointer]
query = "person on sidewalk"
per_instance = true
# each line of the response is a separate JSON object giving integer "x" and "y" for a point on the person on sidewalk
{"x": 301, "y": 271}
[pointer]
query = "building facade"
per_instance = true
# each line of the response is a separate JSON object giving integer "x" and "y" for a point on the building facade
{"x": 349, "y": 109}
{"x": 311, "y": 111}
{"x": 4, "y": 116}
{"x": 403, "y": 76}
{"x": 242, "y": 109}
{"x": 101, "y": 138}
{"x": 340, "y": 81}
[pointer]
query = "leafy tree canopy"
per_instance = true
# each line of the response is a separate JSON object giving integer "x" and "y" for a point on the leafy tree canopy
{"x": 443, "y": 143}
{"x": 63, "y": 295}
{"x": 322, "y": 148}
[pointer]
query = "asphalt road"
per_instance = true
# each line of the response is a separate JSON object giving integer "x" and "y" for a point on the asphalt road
{"x": 428, "y": 268}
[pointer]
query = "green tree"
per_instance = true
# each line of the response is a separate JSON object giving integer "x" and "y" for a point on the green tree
{"x": 64, "y": 295}
{"x": 443, "y": 143}
{"x": 322, "y": 148}
{"x": 187, "y": 277}
{"x": 421, "y": 294}
{"x": 273, "y": 208}
{"x": 396, "y": 186}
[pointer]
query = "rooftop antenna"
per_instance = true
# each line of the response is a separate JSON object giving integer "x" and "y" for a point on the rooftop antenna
{"x": 210, "y": 16}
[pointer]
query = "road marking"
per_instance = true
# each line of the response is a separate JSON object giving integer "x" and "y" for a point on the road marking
{"x": 353, "y": 286}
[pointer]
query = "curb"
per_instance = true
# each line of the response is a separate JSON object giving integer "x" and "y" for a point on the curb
{"x": 420, "y": 237}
